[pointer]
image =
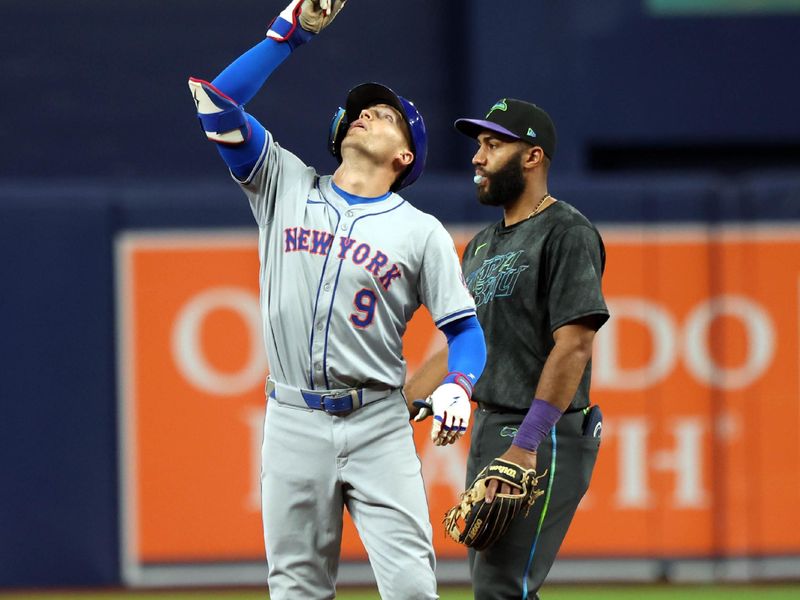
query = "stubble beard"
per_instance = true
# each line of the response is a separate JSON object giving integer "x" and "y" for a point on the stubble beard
{"x": 506, "y": 184}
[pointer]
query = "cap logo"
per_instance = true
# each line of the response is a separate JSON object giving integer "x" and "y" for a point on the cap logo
{"x": 531, "y": 133}
{"x": 500, "y": 105}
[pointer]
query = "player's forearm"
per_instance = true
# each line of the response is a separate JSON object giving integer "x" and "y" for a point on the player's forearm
{"x": 244, "y": 77}
{"x": 558, "y": 383}
{"x": 562, "y": 372}
{"x": 466, "y": 352}
{"x": 461, "y": 363}
{"x": 296, "y": 25}
{"x": 426, "y": 379}
{"x": 239, "y": 82}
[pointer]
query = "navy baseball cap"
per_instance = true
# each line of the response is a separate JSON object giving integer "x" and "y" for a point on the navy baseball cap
{"x": 515, "y": 119}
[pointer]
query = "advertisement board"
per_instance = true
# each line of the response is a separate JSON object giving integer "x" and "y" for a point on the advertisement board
{"x": 696, "y": 373}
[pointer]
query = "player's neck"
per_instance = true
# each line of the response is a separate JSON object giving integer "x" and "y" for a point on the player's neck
{"x": 369, "y": 182}
{"x": 530, "y": 203}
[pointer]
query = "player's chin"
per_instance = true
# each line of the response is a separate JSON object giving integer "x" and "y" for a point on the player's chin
{"x": 347, "y": 141}
{"x": 486, "y": 197}
{"x": 357, "y": 143}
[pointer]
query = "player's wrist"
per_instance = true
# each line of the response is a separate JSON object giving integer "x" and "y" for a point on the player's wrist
{"x": 521, "y": 456}
{"x": 539, "y": 421}
{"x": 461, "y": 381}
{"x": 286, "y": 28}
{"x": 301, "y": 20}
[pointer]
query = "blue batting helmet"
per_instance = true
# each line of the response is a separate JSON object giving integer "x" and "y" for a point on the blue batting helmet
{"x": 368, "y": 94}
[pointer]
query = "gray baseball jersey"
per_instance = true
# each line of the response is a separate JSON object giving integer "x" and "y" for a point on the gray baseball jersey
{"x": 339, "y": 281}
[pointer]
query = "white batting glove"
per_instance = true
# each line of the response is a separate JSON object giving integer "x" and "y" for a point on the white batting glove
{"x": 451, "y": 411}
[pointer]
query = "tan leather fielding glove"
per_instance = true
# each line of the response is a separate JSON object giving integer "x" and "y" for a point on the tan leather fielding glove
{"x": 316, "y": 15}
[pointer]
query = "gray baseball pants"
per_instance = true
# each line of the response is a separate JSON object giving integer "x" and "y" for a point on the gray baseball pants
{"x": 315, "y": 464}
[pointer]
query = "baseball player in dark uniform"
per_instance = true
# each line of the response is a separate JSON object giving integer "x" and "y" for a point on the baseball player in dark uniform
{"x": 345, "y": 263}
{"x": 536, "y": 280}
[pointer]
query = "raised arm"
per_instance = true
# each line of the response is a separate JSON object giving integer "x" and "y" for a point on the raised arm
{"x": 220, "y": 103}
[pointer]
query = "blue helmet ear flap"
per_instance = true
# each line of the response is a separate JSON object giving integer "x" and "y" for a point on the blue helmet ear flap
{"x": 337, "y": 132}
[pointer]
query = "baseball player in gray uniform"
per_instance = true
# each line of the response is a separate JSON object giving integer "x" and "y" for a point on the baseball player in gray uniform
{"x": 344, "y": 263}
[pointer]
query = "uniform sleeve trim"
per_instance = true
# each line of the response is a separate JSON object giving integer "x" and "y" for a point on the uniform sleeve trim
{"x": 602, "y": 312}
{"x": 453, "y": 316}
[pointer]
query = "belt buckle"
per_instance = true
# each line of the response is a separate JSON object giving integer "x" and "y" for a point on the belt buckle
{"x": 332, "y": 403}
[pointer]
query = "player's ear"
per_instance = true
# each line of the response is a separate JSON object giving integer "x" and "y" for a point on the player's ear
{"x": 533, "y": 157}
{"x": 404, "y": 158}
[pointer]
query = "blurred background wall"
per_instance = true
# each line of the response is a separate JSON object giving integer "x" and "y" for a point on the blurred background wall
{"x": 674, "y": 115}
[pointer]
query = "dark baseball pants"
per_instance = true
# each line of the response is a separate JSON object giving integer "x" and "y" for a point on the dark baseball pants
{"x": 517, "y": 565}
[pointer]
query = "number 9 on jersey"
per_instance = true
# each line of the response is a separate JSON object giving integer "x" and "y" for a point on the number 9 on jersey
{"x": 364, "y": 301}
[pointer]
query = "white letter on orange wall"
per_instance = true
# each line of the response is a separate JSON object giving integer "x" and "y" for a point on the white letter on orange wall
{"x": 631, "y": 435}
{"x": 187, "y": 348}
{"x": 760, "y": 342}
{"x": 606, "y": 371}
{"x": 686, "y": 462}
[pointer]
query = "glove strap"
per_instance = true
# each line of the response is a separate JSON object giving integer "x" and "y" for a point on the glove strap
{"x": 227, "y": 120}
{"x": 541, "y": 418}
{"x": 461, "y": 380}
{"x": 285, "y": 28}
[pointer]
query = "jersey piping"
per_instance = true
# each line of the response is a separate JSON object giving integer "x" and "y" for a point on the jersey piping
{"x": 316, "y": 301}
{"x": 336, "y": 286}
{"x": 547, "y": 498}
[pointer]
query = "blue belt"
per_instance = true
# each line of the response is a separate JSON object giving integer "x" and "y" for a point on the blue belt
{"x": 335, "y": 402}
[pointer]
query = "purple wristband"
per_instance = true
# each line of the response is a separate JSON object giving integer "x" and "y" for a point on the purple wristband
{"x": 541, "y": 418}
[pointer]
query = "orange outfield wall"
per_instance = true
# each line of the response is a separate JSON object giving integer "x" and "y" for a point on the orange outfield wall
{"x": 696, "y": 372}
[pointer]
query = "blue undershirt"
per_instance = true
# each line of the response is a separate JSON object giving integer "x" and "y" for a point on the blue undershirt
{"x": 353, "y": 199}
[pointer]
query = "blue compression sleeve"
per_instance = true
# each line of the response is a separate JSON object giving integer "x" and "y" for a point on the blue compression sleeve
{"x": 241, "y": 80}
{"x": 466, "y": 352}
{"x": 242, "y": 158}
